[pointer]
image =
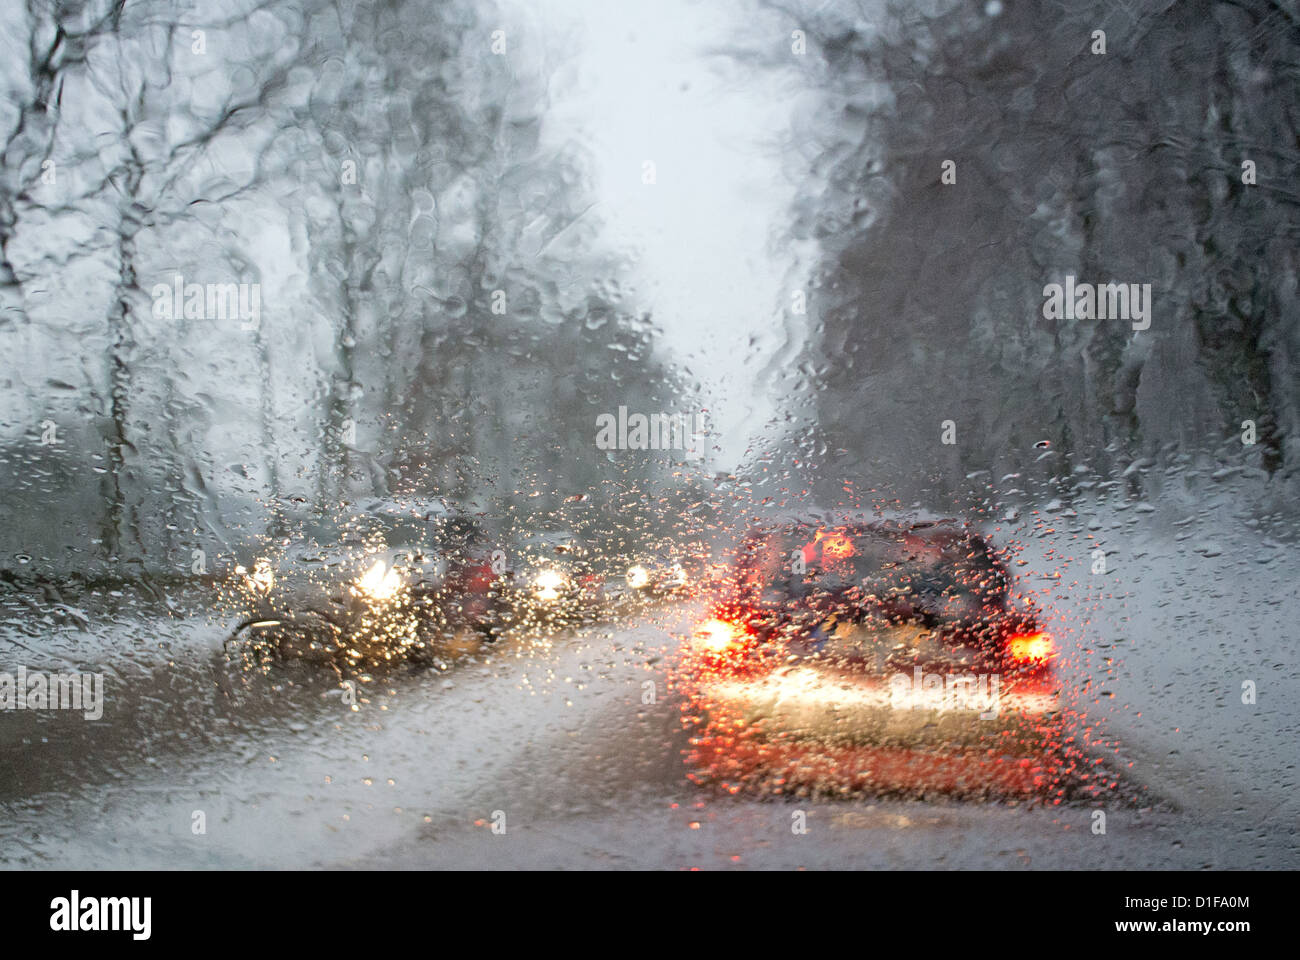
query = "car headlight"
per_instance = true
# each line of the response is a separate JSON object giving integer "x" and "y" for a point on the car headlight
{"x": 638, "y": 577}
{"x": 261, "y": 580}
{"x": 380, "y": 582}
{"x": 549, "y": 583}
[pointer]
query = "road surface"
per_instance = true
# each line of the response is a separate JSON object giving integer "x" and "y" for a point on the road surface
{"x": 539, "y": 754}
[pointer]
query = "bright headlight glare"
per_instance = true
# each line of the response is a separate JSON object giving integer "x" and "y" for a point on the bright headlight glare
{"x": 637, "y": 577}
{"x": 380, "y": 582}
{"x": 549, "y": 583}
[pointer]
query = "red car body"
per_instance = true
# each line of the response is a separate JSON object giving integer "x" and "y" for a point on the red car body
{"x": 850, "y": 654}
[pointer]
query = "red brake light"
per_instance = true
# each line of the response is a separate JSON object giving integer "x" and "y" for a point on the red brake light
{"x": 1031, "y": 647}
{"x": 718, "y": 635}
{"x": 834, "y": 546}
{"x": 837, "y": 546}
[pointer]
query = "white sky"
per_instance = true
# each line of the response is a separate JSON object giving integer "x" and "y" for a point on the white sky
{"x": 636, "y": 82}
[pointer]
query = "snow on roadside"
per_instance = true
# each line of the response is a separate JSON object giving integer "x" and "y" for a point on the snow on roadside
{"x": 1191, "y": 611}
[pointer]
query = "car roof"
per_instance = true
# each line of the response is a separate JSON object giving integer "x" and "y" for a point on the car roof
{"x": 547, "y": 535}
{"x": 917, "y": 519}
{"x": 409, "y": 507}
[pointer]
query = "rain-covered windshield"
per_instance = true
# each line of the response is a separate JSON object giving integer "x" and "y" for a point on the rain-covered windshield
{"x": 445, "y": 423}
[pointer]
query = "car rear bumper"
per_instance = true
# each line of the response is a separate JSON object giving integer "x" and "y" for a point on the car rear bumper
{"x": 803, "y": 729}
{"x": 805, "y": 702}
{"x": 798, "y": 767}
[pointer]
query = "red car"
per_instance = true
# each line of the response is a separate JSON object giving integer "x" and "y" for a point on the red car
{"x": 861, "y": 653}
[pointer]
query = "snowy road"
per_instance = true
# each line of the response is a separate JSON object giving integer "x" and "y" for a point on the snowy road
{"x": 555, "y": 740}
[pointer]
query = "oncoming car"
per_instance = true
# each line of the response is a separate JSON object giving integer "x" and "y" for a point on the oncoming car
{"x": 401, "y": 578}
{"x": 665, "y": 571}
{"x": 867, "y": 653}
{"x": 554, "y": 578}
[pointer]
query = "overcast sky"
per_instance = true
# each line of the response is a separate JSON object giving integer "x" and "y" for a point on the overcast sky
{"x": 637, "y": 83}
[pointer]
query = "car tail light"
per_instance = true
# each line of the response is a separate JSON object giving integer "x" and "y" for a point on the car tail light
{"x": 719, "y": 636}
{"x": 1031, "y": 647}
{"x": 837, "y": 546}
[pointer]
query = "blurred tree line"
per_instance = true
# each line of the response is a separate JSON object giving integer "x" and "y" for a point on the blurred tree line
{"x": 1128, "y": 165}
{"x": 436, "y": 316}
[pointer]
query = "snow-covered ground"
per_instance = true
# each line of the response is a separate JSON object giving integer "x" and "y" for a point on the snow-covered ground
{"x": 1192, "y": 612}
